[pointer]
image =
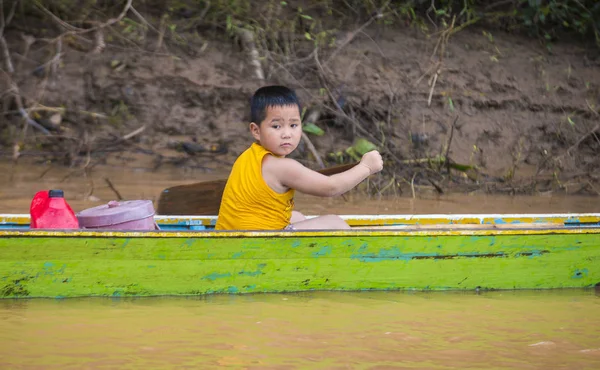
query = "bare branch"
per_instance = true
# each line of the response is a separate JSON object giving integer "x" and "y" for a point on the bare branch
{"x": 56, "y": 19}
{"x": 143, "y": 20}
{"x": 581, "y": 139}
{"x": 11, "y": 14}
{"x": 121, "y": 16}
{"x": 134, "y": 133}
{"x": 28, "y": 40}
{"x": 161, "y": 32}
{"x": 3, "y": 23}
{"x": 313, "y": 150}
{"x": 112, "y": 187}
{"x": 23, "y": 112}
{"x": 76, "y": 30}
{"x": 6, "y": 53}
{"x": 100, "y": 45}
{"x": 56, "y": 61}
{"x": 377, "y": 15}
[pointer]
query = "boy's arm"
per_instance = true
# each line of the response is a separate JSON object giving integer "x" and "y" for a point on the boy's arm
{"x": 292, "y": 174}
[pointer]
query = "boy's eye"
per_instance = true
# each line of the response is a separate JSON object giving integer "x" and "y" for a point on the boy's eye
{"x": 276, "y": 126}
{"x": 294, "y": 125}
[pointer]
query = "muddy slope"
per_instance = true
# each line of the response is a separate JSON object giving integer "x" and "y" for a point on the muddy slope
{"x": 515, "y": 116}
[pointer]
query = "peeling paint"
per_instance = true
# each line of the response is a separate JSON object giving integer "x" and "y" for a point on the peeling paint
{"x": 254, "y": 273}
{"x": 580, "y": 273}
{"x": 214, "y": 276}
{"x": 324, "y": 251}
{"x": 382, "y": 255}
{"x": 187, "y": 243}
{"x": 531, "y": 254}
{"x": 232, "y": 290}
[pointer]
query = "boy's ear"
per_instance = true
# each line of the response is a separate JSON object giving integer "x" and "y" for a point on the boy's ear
{"x": 255, "y": 131}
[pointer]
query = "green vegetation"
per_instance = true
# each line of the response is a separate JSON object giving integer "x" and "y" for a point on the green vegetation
{"x": 273, "y": 19}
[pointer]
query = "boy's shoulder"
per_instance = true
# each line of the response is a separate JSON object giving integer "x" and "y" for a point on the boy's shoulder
{"x": 277, "y": 170}
{"x": 281, "y": 167}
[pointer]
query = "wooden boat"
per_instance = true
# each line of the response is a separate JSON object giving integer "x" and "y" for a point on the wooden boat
{"x": 187, "y": 257}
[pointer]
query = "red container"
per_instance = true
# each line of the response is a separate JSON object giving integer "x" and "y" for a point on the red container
{"x": 37, "y": 204}
{"x": 50, "y": 210}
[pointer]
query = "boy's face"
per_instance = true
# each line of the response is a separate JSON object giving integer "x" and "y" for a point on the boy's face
{"x": 280, "y": 131}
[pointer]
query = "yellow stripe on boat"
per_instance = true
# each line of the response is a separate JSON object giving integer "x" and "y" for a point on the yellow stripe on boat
{"x": 381, "y": 220}
{"x": 299, "y": 234}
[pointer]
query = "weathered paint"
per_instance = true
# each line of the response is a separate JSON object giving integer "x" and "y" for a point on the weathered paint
{"x": 91, "y": 263}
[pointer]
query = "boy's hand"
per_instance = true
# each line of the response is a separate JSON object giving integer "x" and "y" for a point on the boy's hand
{"x": 373, "y": 161}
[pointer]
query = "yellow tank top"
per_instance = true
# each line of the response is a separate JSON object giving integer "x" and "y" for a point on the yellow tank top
{"x": 248, "y": 203}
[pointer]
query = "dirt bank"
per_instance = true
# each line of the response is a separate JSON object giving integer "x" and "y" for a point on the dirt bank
{"x": 509, "y": 114}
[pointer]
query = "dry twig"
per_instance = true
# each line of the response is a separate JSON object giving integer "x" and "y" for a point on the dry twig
{"x": 437, "y": 67}
{"x": 161, "y": 32}
{"x": 99, "y": 44}
{"x": 56, "y": 61}
{"x": 133, "y": 133}
{"x": 72, "y": 30}
{"x": 352, "y": 35}
{"x": 15, "y": 92}
{"x": 3, "y": 24}
{"x": 581, "y": 139}
{"x": 589, "y": 133}
{"x": 313, "y": 150}
{"x": 29, "y": 40}
{"x": 112, "y": 187}
{"x": 449, "y": 143}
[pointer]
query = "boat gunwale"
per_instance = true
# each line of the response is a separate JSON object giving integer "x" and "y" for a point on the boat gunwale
{"x": 382, "y": 220}
{"x": 408, "y": 232}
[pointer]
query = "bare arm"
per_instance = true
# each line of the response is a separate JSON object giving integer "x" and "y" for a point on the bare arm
{"x": 288, "y": 173}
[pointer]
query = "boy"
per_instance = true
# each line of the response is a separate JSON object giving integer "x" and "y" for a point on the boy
{"x": 259, "y": 194}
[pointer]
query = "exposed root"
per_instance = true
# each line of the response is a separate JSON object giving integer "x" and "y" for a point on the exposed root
{"x": 247, "y": 38}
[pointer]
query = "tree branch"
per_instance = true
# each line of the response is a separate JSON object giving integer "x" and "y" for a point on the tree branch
{"x": 72, "y": 30}
{"x": 377, "y": 15}
{"x": 23, "y": 112}
{"x": 3, "y": 23}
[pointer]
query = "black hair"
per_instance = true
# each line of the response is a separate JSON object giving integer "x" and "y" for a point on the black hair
{"x": 271, "y": 96}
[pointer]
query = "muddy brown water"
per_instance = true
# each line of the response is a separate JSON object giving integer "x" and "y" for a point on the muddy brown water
{"x": 319, "y": 330}
{"x": 19, "y": 184}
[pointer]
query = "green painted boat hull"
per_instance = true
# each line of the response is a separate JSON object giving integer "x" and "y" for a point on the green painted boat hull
{"x": 67, "y": 264}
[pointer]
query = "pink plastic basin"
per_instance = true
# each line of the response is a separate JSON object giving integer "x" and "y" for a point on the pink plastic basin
{"x": 127, "y": 215}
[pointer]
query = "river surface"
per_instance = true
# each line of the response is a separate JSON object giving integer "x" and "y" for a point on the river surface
{"x": 19, "y": 184}
{"x": 321, "y": 330}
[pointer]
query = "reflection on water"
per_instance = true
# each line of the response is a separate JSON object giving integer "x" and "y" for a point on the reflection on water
{"x": 16, "y": 194}
{"x": 524, "y": 330}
